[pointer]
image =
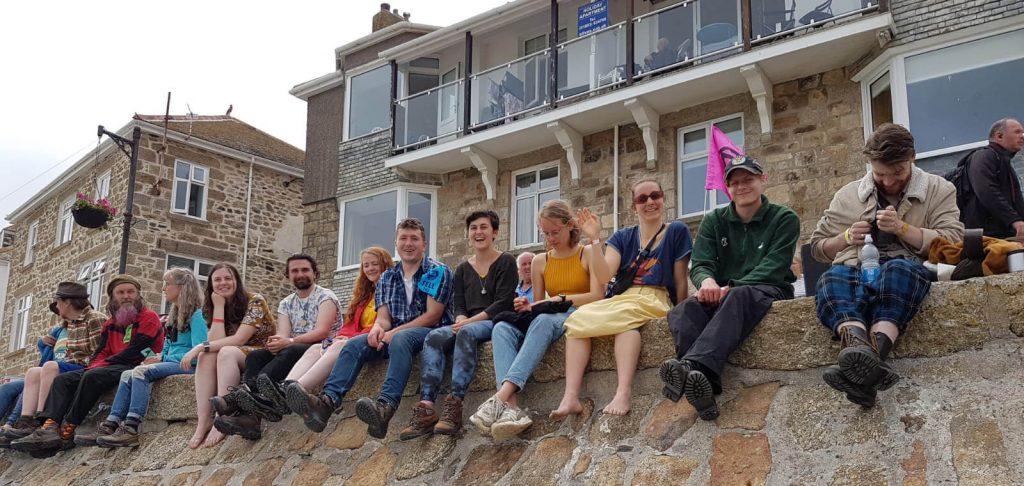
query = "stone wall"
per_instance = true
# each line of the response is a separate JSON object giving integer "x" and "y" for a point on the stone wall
{"x": 953, "y": 419}
{"x": 919, "y": 19}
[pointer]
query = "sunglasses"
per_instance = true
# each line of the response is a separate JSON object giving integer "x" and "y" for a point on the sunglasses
{"x": 654, "y": 196}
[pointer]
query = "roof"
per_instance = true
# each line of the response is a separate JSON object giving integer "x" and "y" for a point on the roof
{"x": 233, "y": 133}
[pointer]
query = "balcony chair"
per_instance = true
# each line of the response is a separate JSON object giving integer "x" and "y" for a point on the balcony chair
{"x": 820, "y": 13}
{"x": 717, "y": 36}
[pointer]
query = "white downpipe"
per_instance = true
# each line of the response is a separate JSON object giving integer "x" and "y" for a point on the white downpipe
{"x": 615, "y": 181}
{"x": 248, "y": 214}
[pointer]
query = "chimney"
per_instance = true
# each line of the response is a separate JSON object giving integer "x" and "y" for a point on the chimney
{"x": 386, "y": 17}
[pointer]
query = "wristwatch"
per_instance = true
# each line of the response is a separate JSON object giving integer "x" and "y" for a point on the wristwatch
{"x": 562, "y": 297}
{"x": 206, "y": 346}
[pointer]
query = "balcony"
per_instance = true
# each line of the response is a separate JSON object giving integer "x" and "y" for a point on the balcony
{"x": 637, "y": 66}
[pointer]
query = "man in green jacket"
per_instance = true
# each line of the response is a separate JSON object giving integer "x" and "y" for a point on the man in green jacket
{"x": 740, "y": 265}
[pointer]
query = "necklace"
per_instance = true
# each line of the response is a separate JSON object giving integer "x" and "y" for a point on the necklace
{"x": 483, "y": 289}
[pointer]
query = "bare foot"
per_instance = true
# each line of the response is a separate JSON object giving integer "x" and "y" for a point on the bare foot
{"x": 213, "y": 438}
{"x": 619, "y": 405}
{"x": 569, "y": 406}
{"x": 198, "y": 436}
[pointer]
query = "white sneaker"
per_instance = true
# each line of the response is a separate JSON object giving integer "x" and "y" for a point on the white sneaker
{"x": 486, "y": 414}
{"x": 510, "y": 423}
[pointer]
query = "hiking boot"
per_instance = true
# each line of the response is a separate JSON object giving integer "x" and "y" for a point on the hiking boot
{"x": 5, "y": 442}
{"x": 860, "y": 395}
{"x": 673, "y": 374}
{"x": 314, "y": 410}
{"x": 272, "y": 393}
{"x": 24, "y": 426}
{"x": 255, "y": 404}
{"x": 422, "y": 422}
{"x": 376, "y": 414}
{"x": 89, "y": 439}
{"x": 124, "y": 436}
{"x": 888, "y": 377}
{"x": 227, "y": 404}
{"x": 245, "y": 425}
{"x": 860, "y": 361}
{"x": 700, "y": 393}
{"x": 486, "y": 414}
{"x": 512, "y": 422}
{"x": 49, "y": 436}
{"x": 451, "y": 416}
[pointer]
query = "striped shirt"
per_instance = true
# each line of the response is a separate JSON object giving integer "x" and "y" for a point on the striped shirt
{"x": 84, "y": 337}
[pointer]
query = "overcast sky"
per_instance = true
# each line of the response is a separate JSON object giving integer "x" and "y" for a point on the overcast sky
{"x": 71, "y": 65}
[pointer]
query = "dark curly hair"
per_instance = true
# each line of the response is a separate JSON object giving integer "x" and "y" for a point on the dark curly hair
{"x": 891, "y": 144}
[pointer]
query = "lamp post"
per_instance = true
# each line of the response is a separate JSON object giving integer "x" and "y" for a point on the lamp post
{"x": 133, "y": 154}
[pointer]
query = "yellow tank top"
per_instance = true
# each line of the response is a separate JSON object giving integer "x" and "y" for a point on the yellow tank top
{"x": 369, "y": 315}
{"x": 566, "y": 275}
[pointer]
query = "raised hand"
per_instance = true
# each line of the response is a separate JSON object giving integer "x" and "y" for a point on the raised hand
{"x": 589, "y": 223}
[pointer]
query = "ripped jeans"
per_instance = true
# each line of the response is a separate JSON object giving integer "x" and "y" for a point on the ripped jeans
{"x": 132, "y": 399}
{"x": 464, "y": 343}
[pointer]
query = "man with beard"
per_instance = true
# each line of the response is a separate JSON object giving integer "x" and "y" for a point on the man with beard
{"x": 309, "y": 317}
{"x": 132, "y": 329}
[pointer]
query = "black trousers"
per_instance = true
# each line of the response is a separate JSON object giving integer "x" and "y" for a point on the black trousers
{"x": 74, "y": 393}
{"x": 276, "y": 366}
{"x": 706, "y": 335}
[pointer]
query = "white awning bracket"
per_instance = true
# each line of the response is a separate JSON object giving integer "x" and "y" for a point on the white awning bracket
{"x": 572, "y": 142}
{"x": 487, "y": 165}
{"x": 761, "y": 90}
{"x": 648, "y": 120}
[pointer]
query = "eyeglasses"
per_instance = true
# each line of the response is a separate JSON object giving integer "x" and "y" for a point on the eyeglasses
{"x": 654, "y": 196}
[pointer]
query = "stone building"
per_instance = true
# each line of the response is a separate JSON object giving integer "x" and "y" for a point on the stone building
{"x": 209, "y": 189}
{"x": 575, "y": 99}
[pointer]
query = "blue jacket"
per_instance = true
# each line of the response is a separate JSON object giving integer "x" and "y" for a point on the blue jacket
{"x": 46, "y": 352}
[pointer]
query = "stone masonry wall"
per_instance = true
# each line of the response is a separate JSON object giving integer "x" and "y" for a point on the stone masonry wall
{"x": 919, "y": 19}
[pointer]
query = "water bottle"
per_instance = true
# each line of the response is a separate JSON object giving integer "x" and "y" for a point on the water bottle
{"x": 869, "y": 267}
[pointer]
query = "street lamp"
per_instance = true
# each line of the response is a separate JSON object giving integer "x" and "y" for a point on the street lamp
{"x": 133, "y": 155}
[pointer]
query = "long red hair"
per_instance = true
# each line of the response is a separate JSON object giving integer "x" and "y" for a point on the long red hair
{"x": 365, "y": 288}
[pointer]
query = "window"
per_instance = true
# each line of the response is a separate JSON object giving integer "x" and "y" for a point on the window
{"x": 530, "y": 190}
{"x": 693, "y": 165}
{"x": 539, "y": 43}
{"x": 371, "y": 220}
{"x": 881, "y": 101}
{"x": 65, "y": 221}
{"x": 189, "y": 195}
{"x": 201, "y": 268}
{"x": 103, "y": 186}
{"x": 91, "y": 275}
{"x": 19, "y": 329}
{"x": 30, "y": 242}
{"x": 369, "y": 105}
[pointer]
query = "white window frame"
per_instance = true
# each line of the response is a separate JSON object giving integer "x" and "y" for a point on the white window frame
{"x": 103, "y": 186}
{"x": 21, "y": 323}
{"x": 896, "y": 67}
{"x": 30, "y": 243}
{"x": 513, "y": 223}
{"x": 91, "y": 275}
{"x": 684, "y": 158}
{"x": 401, "y": 212}
{"x": 196, "y": 261}
{"x": 191, "y": 180}
{"x": 348, "y": 100}
{"x": 65, "y": 222}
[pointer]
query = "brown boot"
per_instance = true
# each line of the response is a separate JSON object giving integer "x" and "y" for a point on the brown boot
{"x": 22, "y": 428}
{"x": 376, "y": 414}
{"x": 451, "y": 416}
{"x": 421, "y": 423}
{"x": 87, "y": 439}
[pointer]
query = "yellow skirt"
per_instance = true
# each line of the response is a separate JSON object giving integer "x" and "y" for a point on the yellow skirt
{"x": 618, "y": 314}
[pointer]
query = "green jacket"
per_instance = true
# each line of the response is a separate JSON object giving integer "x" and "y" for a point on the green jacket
{"x": 756, "y": 253}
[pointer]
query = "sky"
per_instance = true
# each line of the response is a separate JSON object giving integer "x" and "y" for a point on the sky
{"x": 68, "y": 66}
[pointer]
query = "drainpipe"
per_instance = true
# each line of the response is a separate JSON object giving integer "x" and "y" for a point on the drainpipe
{"x": 248, "y": 215}
{"x": 615, "y": 181}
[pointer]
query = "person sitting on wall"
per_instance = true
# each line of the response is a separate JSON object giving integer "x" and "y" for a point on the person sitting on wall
{"x": 996, "y": 204}
{"x": 317, "y": 362}
{"x": 412, "y": 298}
{"x": 306, "y": 318}
{"x": 653, "y": 256}
{"x": 484, "y": 286}
{"x": 71, "y": 347}
{"x": 132, "y": 329}
{"x": 524, "y": 263}
{"x": 13, "y": 386}
{"x": 564, "y": 274}
{"x": 184, "y": 329}
{"x": 240, "y": 322}
{"x": 741, "y": 266}
{"x": 904, "y": 209}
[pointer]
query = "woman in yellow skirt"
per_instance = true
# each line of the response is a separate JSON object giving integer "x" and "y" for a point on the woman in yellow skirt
{"x": 659, "y": 282}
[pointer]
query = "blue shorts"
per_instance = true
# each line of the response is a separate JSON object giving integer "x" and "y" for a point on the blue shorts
{"x": 66, "y": 367}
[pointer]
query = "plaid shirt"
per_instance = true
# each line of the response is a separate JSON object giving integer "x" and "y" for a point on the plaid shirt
{"x": 391, "y": 292}
{"x": 84, "y": 337}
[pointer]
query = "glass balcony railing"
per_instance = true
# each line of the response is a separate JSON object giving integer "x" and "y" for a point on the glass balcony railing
{"x": 509, "y": 89}
{"x": 591, "y": 62}
{"x": 773, "y": 18}
{"x": 685, "y": 32}
{"x": 429, "y": 115}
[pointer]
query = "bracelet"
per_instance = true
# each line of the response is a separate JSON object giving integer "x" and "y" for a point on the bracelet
{"x": 216, "y": 320}
{"x": 904, "y": 229}
{"x": 847, "y": 238}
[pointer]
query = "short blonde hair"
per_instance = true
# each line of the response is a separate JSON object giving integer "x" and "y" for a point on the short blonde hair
{"x": 559, "y": 210}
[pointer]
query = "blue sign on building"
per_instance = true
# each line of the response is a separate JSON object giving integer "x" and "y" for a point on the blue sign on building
{"x": 592, "y": 17}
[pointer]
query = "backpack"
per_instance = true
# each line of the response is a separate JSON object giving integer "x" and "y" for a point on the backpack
{"x": 958, "y": 177}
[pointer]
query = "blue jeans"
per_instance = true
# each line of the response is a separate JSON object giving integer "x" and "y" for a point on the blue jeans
{"x": 516, "y": 354}
{"x": 132, "y": 399}
{"x": 464, "y": 343}
{"x": 10, "y": 399}
{"x": 405, "y": 344}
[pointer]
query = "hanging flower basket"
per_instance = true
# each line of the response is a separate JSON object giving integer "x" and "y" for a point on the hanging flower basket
{"x": 92, "y": 214}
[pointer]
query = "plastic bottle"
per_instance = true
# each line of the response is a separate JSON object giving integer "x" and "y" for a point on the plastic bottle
{"x": 869, "y": 266}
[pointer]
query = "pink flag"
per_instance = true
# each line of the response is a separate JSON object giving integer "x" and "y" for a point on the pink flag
{"x": 720, "y": 152}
